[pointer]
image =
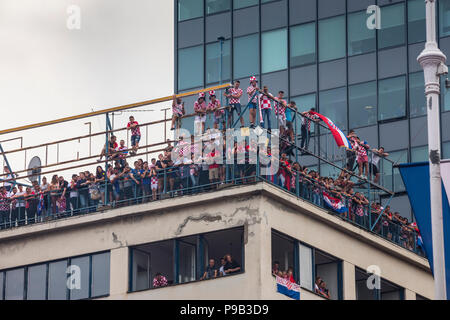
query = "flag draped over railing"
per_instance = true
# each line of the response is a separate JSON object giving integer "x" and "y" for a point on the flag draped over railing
{"x": 416, "y": 177}
{"x": 334, "y": 203}
{"x": 288, "y": 288}
{"x": 339, "y": 136}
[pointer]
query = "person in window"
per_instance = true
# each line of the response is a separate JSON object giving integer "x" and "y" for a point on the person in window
{"x": 231, "y": 266}
{"x": 223, "y": 262}
{"x": 276, "y": 268}
{"x": 290, "y": 274}
{"x": 160, "y": 281}
{"x": 210, "y": 270}
{"x": 323, "y": 290}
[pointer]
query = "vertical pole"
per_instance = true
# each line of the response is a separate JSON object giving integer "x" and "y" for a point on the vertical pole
{"x": 432, "y": 60}
{"x": 108, "y": 126}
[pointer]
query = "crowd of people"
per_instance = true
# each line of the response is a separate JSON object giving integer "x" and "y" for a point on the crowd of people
{"x": 228, "y": 266}
{"x": 201, "y": 166}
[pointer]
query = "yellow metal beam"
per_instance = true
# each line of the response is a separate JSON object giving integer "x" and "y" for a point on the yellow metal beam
{"x": 104, "y": 111}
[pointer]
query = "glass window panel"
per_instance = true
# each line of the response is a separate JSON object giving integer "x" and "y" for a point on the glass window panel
{"x": 392, "y": 32}
{"x": 100, "y": 274}
{"x": 398, "y": 157}
{"x": 214, "y": 6}
{"x": 306, "y": 271}
{"x": 57, "y": 280}
{"x": 189, "y": 9}
{"x": 363, "y": 104}
{"x": 190, "y": 67}
{"x": 419, "y": 154}
{"x": 187, "y": 271}
{"x": 274, "y": 50}
{"x": 446, "y": 95}
{"x": 246, "y": 62}
{"x": 360, "y": 38}
{"x": 83, "y": 291}
{"x": 303, "y": 44}
{"x": 391, "y": 98}
{"x": 417, "y": 100}
{"x": 14, "y": 286}
{"x": 304, "y": 103}
{"x": 332, "y": 38}
{"x": 37, "y": 282}
{"x": 333, "y": 104}
{"x": 213, "y": 62}
{"x": 327, "y": 170}
{"x": 444, "y": 18}
{"x": 446, "y": 150}
{"x": 141, "y": 270}
{"x": 416, "y": 21}
{"x": 238, "y": 4}
{"x": 2, "y": 275}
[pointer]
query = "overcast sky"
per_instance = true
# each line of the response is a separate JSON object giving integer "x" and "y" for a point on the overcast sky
{"x": 122, "y": 53}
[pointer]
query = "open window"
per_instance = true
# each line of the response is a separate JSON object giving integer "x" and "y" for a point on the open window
{"x": 328, "y": 269}
{"x": 369, "y": 289}
{"x": 283, "y": 249}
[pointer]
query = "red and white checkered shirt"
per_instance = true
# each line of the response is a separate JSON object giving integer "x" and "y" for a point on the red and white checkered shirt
{"x": 250, "y": 93}
{"x": 136, "y": 131}
{"x": 280, "y": 108}
{"x": 235, "y": 92}
{"x": 308, "y": 118}
{"x": 200, "y": 107}
{"x": 360, "y": 210}
{"x": 265, "y": 102}
{"x": 362, "y": 152}
{"x": 212, "y": 106}
{"x": 178, "y": 109}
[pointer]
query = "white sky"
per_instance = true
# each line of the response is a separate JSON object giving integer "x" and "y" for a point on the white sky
{"x": 123, "y": 53}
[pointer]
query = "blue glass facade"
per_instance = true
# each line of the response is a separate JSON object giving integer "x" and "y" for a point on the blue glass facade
{"x": 321, "y": 53}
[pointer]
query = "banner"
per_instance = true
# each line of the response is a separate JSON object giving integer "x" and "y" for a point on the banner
{"x": 416, "y": 177}
{"x": 288, "y": 288}
{"x": 339, "y": 136}
{"x": 334, "y": 204}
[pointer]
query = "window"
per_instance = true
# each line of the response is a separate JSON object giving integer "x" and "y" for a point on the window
{"x": 328, "y": 170}
{"x": 419, "y": 154}
{"x": 213, "y": 61}
{"x": 2, "y": 275}
{"x": 360, "y": 38}
{"x": 100, "y": 274}
{"x": 189, "y": 9}
{"x": 333, "y": 104}
{"x": 304, "y": 103}
{"x": 446, "y": 95}
{"x": 283, "y": 252}
{"x": 417, "y": 100}
{"x": 183, "y": 260}
{"x": 363, "y": 104}
{"x": 37, "y": 282}
{"x": 386, "y": 291}
{"x": 444, "y": 18}
{"x": 14, "y": 284}
{"x": 57, "y": 280}
{"x": 303, "y": 44}
{"x": 394, "y": 182}
{"x": 238, "y": 4}
{"x": 416, "y": 21}
{"x": 51, "y": 280}
{"x": 190, "y": 68}
{"x": 332, "y": 38}
{"x": 81, "y": 292}
{"x": 274, "y": 50}
{"x": 391, "y": 98}
{"x": 392, "y": 32}
{"x": 246, "y": 62}
{"x": 446, "y": 150}
{"x": 306, "y": 267}
{"x": 214, "y": 6}
{"x": 327, "y": 269}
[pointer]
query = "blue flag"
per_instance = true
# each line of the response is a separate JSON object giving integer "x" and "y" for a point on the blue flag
{"x": 288, "y": 288}
{"x": 416, "y": 177}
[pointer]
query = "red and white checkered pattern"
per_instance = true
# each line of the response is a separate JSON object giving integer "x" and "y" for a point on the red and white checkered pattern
{"x": 136, "y": 131}
{"x": 235, "y": 92}
{"x": 214, "y": 105}
{"x": 200, "y": 107}
{"x": 361, "y": 151}
{"x": 265, "y": 102}
{"x": 212, "y": 93}
{"x": 201, "y": 95}
{"x": 280, "y": 107}
{"x": 307, "y": 120}
{"x": 178, "y": 109}
{"x": 250, "y": 93}
{"x": 253, "y": 79}
{"x": 360, "y": 210}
